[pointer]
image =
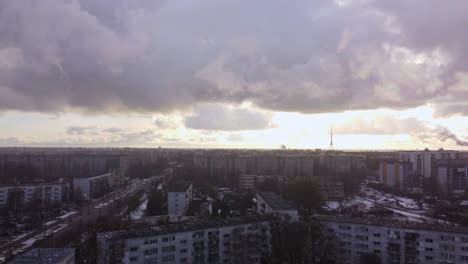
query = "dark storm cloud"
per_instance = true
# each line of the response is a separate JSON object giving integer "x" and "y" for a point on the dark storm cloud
{"x": 217, "y": 117}
{"x": 160, "y": 56}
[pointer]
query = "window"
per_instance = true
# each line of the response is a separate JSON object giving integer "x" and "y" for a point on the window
{"x": 183, "y": 241}
{"x": 133, "y": 249}
{"x": 151, "y": 251}
{"x": 184, "y": 250}
{"x": 168, "y": 239}
{"x": 151, "y": 261}
{"x": 168, "y": 249}
{"x": 168, "y": 258}
{"x": 428, "y": 240}
{"x": 447, "y": 238}
{"x": 133, "y": 259}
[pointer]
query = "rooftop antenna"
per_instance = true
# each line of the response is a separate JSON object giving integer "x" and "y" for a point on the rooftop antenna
{"x": 331, "y": 139}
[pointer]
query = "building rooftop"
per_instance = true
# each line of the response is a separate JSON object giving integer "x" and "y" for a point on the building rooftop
{"x": 275, "y": 201}
{"x": 378, "y": 221}
{"x": 44, "y": 256}
{"x": 182, "y": 227}
{"x": 179, "y": 186}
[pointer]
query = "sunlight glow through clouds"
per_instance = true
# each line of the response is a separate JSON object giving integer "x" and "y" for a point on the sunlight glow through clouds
{"x": 295, "y": 130}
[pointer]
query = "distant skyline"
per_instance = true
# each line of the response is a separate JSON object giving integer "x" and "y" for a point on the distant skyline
{"x": 255, "y": 74}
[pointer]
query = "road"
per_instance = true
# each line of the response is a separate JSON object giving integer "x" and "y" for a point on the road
{"x": 87, "y": 215}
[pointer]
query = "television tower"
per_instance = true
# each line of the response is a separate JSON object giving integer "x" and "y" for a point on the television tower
{"x": 331, "y": 139}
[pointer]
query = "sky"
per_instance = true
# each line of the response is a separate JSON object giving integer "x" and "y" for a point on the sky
{"x": 226, "y": 73}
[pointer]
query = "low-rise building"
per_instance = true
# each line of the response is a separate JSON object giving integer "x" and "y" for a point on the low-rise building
{"x": 46, "y": 256}
{"x": 395, "y": 241}
{"x": 179, "y": 197}
{"x": 248, "y": 181}
{"x": 332, "y": 190}
{"x": 232, "y": 240}
{"x": 271, "y": 203}
{"x": 44, "y": 194}
{"x": 86, "y": 188}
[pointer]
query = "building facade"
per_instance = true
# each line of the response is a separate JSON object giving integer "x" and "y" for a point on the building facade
{"x": 87, "y": 188}
{"x": 269, "y": 203}
{"x": 43, "y": 194}
{"x": 452, "y": 176}
{"x": 46, "y": 256}
{"x": 396, "y": 174}
{"x": 179, "y": 198}
{"x": 423, "y": 161}
{"x": 332, "y": 190}
{"x": 396, "y": 242}
{"x": 233, "y": 240}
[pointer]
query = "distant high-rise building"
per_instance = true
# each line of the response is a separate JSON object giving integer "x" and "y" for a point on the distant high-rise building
{"x": 452, "y": 176}
{"x": 423, "y": 161}
{"x": 397, "y": 174}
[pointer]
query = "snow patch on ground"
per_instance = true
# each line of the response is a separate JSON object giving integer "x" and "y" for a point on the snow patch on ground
{"x": 140, "y": 211}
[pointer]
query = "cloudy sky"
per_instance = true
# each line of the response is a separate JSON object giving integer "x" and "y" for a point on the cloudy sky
{"x": 229, "y": 73}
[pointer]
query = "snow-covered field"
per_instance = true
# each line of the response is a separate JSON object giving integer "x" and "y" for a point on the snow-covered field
{"x": 370, "y": 198}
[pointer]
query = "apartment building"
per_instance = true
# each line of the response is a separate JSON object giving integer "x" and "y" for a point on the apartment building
{"x": 395, "y": 241}
{"x": 341, "y": 163}
{"x": 42, "y": 194}
{"x": 397, "y": 174}
{"x": 452, "y": 176}
{"x": 179, "y": 197}
{"x": 231, "y": 240}
{"x": 269, "y": 203}
{"x": 46, "y": 256}
{"x": 332, "y": 190}
{"x": 87, "y": 188}
{"x": 423, "y": 161}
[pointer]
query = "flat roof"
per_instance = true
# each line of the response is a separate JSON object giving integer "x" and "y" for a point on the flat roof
{"x": 275, "y": 201}
{"x": 182, "y": 227}
{"x": 377, "y": 221}
{"x": 179, "y": 186}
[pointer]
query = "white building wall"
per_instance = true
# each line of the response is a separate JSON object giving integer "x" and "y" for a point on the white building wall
{"x": 179, "y": 247}
{"x": 356, "y": 240}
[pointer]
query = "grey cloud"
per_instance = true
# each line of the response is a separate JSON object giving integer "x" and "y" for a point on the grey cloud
{"x": 11, "y": 141}
{"x": 391, "y": 125}
{"x": 220, "y": 117}
{"x": 446, "y": 134}
{"x": 164, "y": 123}
{"x": 161, "y": 56}
{"x": 113, "y": 130}
{"x": 381, "y": 125}
{"x": 80, "y": 130}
